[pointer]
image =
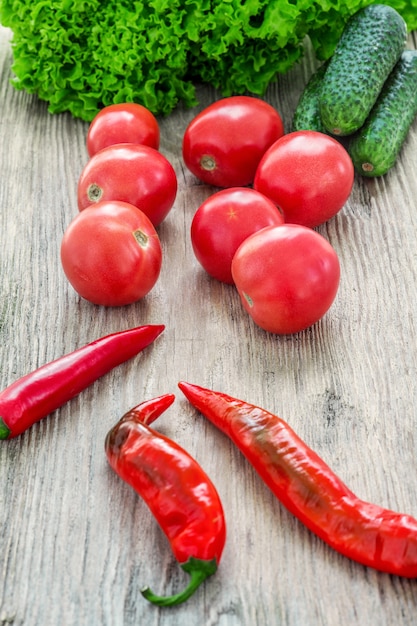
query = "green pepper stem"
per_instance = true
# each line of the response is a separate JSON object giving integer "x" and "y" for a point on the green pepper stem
{"x": 199, "y": 570}
{"x": 4, "y": 430}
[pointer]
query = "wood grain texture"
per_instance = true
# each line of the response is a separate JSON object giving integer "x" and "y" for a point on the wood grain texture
{"x": 76, "y": 544}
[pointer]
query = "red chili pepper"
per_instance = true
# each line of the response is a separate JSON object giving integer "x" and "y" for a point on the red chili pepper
{"x": 44, "y": 390}
{"x": 301, "y": 480}
{"x": 176, "y": 489}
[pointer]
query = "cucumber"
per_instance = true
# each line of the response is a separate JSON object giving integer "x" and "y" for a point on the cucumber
{"x": 371, "y": 44}
{"x": 375, "y": 148}
{"x": 307, "y": 114}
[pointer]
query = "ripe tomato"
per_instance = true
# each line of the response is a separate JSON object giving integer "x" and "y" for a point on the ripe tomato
{"x": 224, "y": 143}
{"x": 131, "y": 173}
{"x": 308, "y": 174}
{"x": 122, "y": 123}
{"x": 224, "y": 221}
{"x": 287, "y": 277}
{"x": 111, "y": 254}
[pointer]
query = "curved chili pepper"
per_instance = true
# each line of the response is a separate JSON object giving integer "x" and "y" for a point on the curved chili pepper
{"x": 176, "y": 489}
{"x": 301, "y": 480}
{"x": 36, "y": 395}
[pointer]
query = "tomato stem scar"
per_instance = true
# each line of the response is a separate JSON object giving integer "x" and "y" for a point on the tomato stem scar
{"x": 141, "y": 237}
{"x": 208, "y": 163}
{"x": 249, "y": 299}
{"x": 94, "y": 192}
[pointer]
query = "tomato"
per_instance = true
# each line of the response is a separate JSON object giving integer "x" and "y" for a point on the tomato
{"x": 224, "y": 143}
{"x": 131, "y": 173}
{"x": 287, "y": 277}
{"x": 307, "y": 174}
{"x": 122, "y": 123}
{"x": 223, "y": 222}
{"x": 111, "y": 254}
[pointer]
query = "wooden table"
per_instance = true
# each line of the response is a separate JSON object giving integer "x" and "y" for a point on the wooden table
{"x": 77, "y": 544}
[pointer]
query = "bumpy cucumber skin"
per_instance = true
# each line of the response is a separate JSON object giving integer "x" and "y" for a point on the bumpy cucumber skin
{"x": 375, "y": 148}
{"x": 307, "y": 113}
{"x": 370, "y": 46}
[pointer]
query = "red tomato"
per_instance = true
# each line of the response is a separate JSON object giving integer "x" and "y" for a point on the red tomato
{"x": 223, "y": 222}
{"x": 307, "y": 174}
{"x": 287, "y": 277}
{"x": 224, "y": 143}
{"x": 111, "y": 254}
{"x": 131, "y": 173}
{"x": 122, "y": 123}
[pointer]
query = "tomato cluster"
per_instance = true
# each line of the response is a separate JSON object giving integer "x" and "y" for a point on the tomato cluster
{"x": 255, "y": 232}
{"x": 111, "y": 252}
{"x": 260, "y": 237}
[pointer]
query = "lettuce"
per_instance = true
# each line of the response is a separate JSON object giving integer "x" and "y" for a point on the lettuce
{"x": 81, "y": 55}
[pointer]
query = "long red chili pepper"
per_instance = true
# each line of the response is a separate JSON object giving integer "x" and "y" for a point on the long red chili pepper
{"x": 176, "y": 489}
{"x": 44, "y": 390}
{"x": 364, "y": 532}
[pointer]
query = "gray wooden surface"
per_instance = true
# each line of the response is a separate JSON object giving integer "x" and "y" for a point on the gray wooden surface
{"x": 76, "y": 544}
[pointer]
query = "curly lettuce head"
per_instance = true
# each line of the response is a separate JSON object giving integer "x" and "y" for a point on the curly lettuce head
{"x": 81, "y": 55}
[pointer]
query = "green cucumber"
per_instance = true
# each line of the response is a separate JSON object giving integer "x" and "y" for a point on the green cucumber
{"x": 307, "y": 114}
{"x": 375, "y": 148}
{"x": 370, "y": 46}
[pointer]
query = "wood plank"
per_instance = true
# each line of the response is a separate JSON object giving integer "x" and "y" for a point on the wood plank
{"x": 76, "y": 544}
